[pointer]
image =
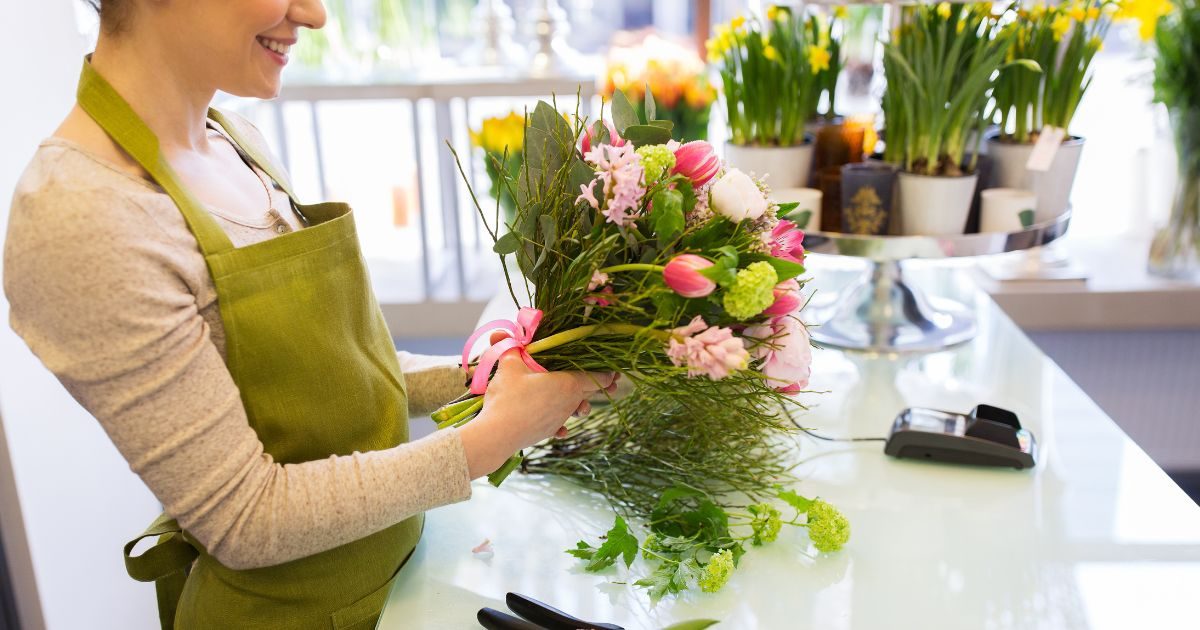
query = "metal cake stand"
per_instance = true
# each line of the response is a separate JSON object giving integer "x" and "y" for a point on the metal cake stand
{"x": 881, "y": 312}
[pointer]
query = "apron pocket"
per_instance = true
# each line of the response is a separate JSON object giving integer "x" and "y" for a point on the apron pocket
{"x": 364, "y": 613}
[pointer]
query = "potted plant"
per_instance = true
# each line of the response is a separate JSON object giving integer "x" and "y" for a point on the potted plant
{"x": 1175, "y": 251}
{"x": 1062, "y": 40}
{"x": 939, "y": 66}
{"x": 676, "y": 77}
{"x": 502, "y": 139}
{"x": 769, "y": 74}
{"x": 836, "y": 142}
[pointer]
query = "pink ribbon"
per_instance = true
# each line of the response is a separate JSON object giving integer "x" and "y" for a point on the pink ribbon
{"x": 518, "y": 334}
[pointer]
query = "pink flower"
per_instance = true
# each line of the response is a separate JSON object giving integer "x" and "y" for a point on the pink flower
{"x": 598, "y": 280}
{"x": 696, "y": 161}
{"x": 787, "y": 298}
{"x": 712, "y": 352}
{"x": 785, "y": 352}
{"x": 682, "y": 274}
{"x": 614, "y": 139}
{"x": 787, "y": 242}
{"x": 620, "y": 169}
{"x": 587, "y": 194}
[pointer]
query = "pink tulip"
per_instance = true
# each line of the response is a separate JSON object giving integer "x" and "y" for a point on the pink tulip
{"x": 785, "y": 352}
{"x": 787, "y": 298}
{"x": 614, "y": 139}
{"x": 682, "y": 274}
{"x": 696, "y": 161}
{"x": 787, "y": 242}
{"x": 713, "y": 352}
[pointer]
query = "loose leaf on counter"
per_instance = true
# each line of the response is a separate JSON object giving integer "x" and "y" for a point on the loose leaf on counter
{"x": 618, "y": 543}
{"x": 791, "y": 498}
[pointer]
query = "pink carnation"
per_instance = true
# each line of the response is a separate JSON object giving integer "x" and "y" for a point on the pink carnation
{"x": 785, "y": 352}
{"x": 713, "y": 352}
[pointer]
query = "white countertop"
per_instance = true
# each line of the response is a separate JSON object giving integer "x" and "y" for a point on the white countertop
{"x": 1096, "y": 536}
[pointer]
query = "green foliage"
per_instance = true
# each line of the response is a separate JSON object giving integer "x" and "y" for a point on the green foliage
{"x": 940, "y": 67}
{"x": 618, "y": 543}
{"x": 1177, "y": 65}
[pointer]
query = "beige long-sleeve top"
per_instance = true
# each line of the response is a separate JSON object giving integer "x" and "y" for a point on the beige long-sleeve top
{"x": 109, "y": 289}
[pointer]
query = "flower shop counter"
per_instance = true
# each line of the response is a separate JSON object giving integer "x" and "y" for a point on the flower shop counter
{"x": 1095, "y": 536}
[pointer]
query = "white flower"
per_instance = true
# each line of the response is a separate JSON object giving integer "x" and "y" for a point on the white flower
{"x": 737, "y": 197}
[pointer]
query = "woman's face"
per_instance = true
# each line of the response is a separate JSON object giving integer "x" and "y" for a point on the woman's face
{"x": 237, "y": 46}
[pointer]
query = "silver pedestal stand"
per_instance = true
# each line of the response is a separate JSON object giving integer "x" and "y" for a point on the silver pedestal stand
{"x": 883, "y": 313}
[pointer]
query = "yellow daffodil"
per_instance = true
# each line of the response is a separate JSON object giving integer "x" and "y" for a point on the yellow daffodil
{"x": 943, "y": 10}
{"x": 500, "y": 132}
{"x": 737, "y": 22}
{"x": 1037, "y": 12}
{"x": 1146, "y": 12}
{"x": 839, "y": 12}
{"x": 818, "y": 58}
{"x": 770, "y": 53}
{"x": 1077, "y": 12}
{"x": 772, "y": 12}
{"x": 1060, "y": 26}
{"x": 1093, "y": 13}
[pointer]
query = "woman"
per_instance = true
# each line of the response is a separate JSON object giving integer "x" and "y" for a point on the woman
{"x": 227, "y": 338}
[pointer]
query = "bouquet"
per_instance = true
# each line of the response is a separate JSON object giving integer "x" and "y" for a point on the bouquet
{"x": 502, "y": 139}
{"x": 675, "y": 76}
{"x": 648, "y": 257}
{"x": 771, "y": 73}
{"x": 1062, "y": 40}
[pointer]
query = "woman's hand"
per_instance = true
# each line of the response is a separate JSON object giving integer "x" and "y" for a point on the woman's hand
{"x": 522, "y": 408}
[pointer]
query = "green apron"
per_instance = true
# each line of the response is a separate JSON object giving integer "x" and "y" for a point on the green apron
{"x": 309, "y": 350}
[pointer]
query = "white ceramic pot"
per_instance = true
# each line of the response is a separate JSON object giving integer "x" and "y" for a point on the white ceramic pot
{"x": 808, "y": 198}
{"x": 1052, "y": 187}
{"x": 788, "y": 167}
{"x": 1001, "y": 209}
{"x": 935, "y": 205}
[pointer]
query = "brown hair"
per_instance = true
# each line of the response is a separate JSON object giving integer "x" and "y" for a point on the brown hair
{"x": 114, "y": 14}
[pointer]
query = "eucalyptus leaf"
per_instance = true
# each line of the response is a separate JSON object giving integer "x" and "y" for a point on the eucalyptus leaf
{"x": 650, "y": 107}
{"x": 643, "y": 135}
{"x": 507, "y": 244}
{"x": 624, "y": 114}
{"x": 665, "y": 124}
{"x": 667, "y": 216}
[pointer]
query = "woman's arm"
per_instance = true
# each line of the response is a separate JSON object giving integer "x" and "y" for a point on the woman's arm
{"x": 431, "y": 381}
{"x": 96, "y": 291}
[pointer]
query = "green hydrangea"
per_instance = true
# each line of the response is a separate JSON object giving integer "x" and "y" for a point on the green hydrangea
{"x": 717, "y": 571}
{"x": 657, "y": 161}
{"x": 766, "y": 523}
{"x": 650, "y": 545}
{"x": 752, "y": 291}
{"x": 827, "y": 528}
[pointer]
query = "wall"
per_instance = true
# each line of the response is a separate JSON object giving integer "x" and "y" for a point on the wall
{"x": 68, "y": 502}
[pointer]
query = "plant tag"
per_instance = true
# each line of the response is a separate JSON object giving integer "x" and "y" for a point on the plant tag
{"x": 1048, "y": 142}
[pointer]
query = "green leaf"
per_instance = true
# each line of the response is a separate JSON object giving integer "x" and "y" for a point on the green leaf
{"x": 800, "y": 218}
{"x": 650, "y": 107}
{"x": 581, "y": 175}
{"x": 599, "y": 133}
{"x": 546, "y": 118}
{"x": 687, "y": 575}
{"x": 692, "y": 624}
{"x": 666, "y": 218}
{"x": 659, "y": 582}
{"x": 1026, "y": 217}
{"x": 791, "y": 498}
{"x": 644, "y": 135}
{"x": 624, "y": 114}
{"x": 784, "y": 208}
{"x": 665, "y": 124}
{"x": 618, "y": 543}
{"x": 549, "y": 238}
{"x": 507, "y": 244}
{"x": 785, "y": 269}
{"x": 582, "y": 551}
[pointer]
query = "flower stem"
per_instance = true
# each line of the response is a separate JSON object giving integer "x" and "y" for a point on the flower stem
{"x": 632, "y": 267}
{"x": 463, "y": 414}
{"x": 575, "y": 334}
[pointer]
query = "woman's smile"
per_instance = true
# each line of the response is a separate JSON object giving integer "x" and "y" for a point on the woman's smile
{"x": 276, "y": 49}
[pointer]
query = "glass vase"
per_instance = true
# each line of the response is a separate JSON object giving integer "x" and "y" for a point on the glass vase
{"x": 1175, "y": 250}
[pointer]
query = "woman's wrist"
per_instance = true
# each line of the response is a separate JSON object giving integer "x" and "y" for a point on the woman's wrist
{"x": 485, "y": 449}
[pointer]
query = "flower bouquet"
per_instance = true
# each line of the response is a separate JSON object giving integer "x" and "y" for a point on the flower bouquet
{"x": 676, "y": 78}
{"x": 650, "y": 258}
{"x": 502, "y": 140}
{"x": 1175, "y": 250}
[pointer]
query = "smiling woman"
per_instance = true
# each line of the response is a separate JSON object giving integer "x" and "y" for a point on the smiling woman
{"x": 232, "y": 349}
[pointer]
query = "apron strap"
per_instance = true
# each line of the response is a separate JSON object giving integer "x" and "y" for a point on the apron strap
{"x": 100, "y": 100}
{"x": 252, "y": 150}
{"x": 166, "y": 564}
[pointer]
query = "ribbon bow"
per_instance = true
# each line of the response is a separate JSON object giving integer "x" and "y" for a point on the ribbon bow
{"x": 518, "y": 334}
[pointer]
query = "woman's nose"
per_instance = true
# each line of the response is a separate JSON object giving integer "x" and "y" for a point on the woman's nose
{"x": 308, "y": 13}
